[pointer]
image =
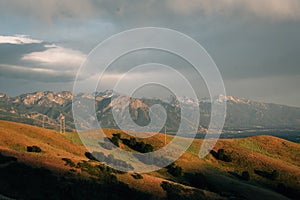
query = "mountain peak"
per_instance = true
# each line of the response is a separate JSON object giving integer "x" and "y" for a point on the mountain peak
{"x": 232, "y": 99}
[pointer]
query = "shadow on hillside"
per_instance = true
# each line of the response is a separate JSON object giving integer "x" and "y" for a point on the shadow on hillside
{"x": 21, "y": 181}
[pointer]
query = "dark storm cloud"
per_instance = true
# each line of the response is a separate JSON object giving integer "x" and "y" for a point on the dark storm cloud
{"x": 13, "y": 53}
{"x": 253, "y": 42}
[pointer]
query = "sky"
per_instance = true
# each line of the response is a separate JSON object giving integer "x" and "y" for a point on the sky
{"x": 254, "y": 43}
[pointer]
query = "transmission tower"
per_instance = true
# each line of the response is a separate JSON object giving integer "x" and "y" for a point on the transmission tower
{"x": 62, "y": 123}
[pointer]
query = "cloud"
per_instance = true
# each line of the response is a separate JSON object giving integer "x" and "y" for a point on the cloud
{"x": 18, "y": 39}
{"x": 36, "y": 74}
{"x": 56, "y": 55}
{"x": 289, "y": 9}
{"x": 137, "y": 9}
{"x": 48, "y": 10}
{"x": 22, "y": 57}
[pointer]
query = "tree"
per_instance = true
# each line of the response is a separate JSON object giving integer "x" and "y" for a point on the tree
{"x": 221, "y": 153}
{"x": 222, "y": 156}
{"x": 132, "y": 142}
{"x": 115, "y": 140}
{"x": 175, "y": 170}
{"x": 35, "y": 149}
{"x": 117, "y": 135}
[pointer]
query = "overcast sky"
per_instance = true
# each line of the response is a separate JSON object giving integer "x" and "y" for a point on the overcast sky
{"x": 255, "y": 43}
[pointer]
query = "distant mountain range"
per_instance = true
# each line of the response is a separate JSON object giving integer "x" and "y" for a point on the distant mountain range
{"x": 44, "y": 108}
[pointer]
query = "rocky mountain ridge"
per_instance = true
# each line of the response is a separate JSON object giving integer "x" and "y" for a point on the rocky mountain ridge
{"x": 43, "y": 108}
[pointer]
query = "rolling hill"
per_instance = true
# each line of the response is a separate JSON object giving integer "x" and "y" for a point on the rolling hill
{"x": 63, "y": 167}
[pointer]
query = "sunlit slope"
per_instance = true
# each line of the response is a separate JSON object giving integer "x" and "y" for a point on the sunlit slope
{"x": 15, "y": 137}
{"x": 264, "y": 153}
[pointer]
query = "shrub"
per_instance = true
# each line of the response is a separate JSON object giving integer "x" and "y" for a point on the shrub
{"x": 90, "y": 156}
{"x": 69, "y": 162}
{"x": 115, "y": 140}
{"x": 222, "y": 156}
{"x": 245, "y": 175}
{"x": 141, "y": 147}
{"x": 137, "y": 176}
{"x": 117, "y": 135}
{"x": 132, "y": 142}
{"x": 173, "y": 190}
{"x": 269, "y": 175}
{"x": 175, "y": 170}
{"x": 34, "y": 149}
{"x": 221, "y": 153}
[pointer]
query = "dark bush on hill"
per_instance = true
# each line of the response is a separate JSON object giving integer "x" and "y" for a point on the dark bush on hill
{"x": 175, "y": 170}
{"x": 69, "y": 162}
{"x": 269, "y": 175}
{"x": 141, "y": 147}
{"x": 34, "y": 149}
{"x": 90, "y": 156}
{"x": 132, "y": 142}
{"x": 221, "y": 155}
{"x": 224, "y": 157}
{"x": 115, "y": 139}
{"x": 137, "y": 176}
{"x": 117, "y": 135}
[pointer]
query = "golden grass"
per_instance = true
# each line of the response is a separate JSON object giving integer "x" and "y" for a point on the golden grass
{"x": 259, "y": 152}
{"x": 15, "y": 137}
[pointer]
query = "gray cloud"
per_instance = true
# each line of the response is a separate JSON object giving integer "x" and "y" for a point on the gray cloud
{"x": 39, "y": 61}
{"x": 49, "y": 10}
{"x": 37, "y": 74}
{"x": 254, "y": 42}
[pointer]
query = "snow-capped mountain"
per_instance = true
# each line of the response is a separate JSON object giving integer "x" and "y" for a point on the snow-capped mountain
{"x": 45, "y": 107}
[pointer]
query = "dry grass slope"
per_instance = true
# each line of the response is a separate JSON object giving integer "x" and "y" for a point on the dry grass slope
{"x": 264, "y": 153}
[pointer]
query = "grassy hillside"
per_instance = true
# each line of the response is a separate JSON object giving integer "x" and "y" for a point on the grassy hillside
{"x": 63, "y": 158}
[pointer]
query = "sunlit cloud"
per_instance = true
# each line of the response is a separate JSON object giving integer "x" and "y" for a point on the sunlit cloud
{"x": 56, "y": 55}
{"x": 18, "y": 39}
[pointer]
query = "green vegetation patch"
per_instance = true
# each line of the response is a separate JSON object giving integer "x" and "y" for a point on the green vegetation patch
{"x": 254, "y": 146}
